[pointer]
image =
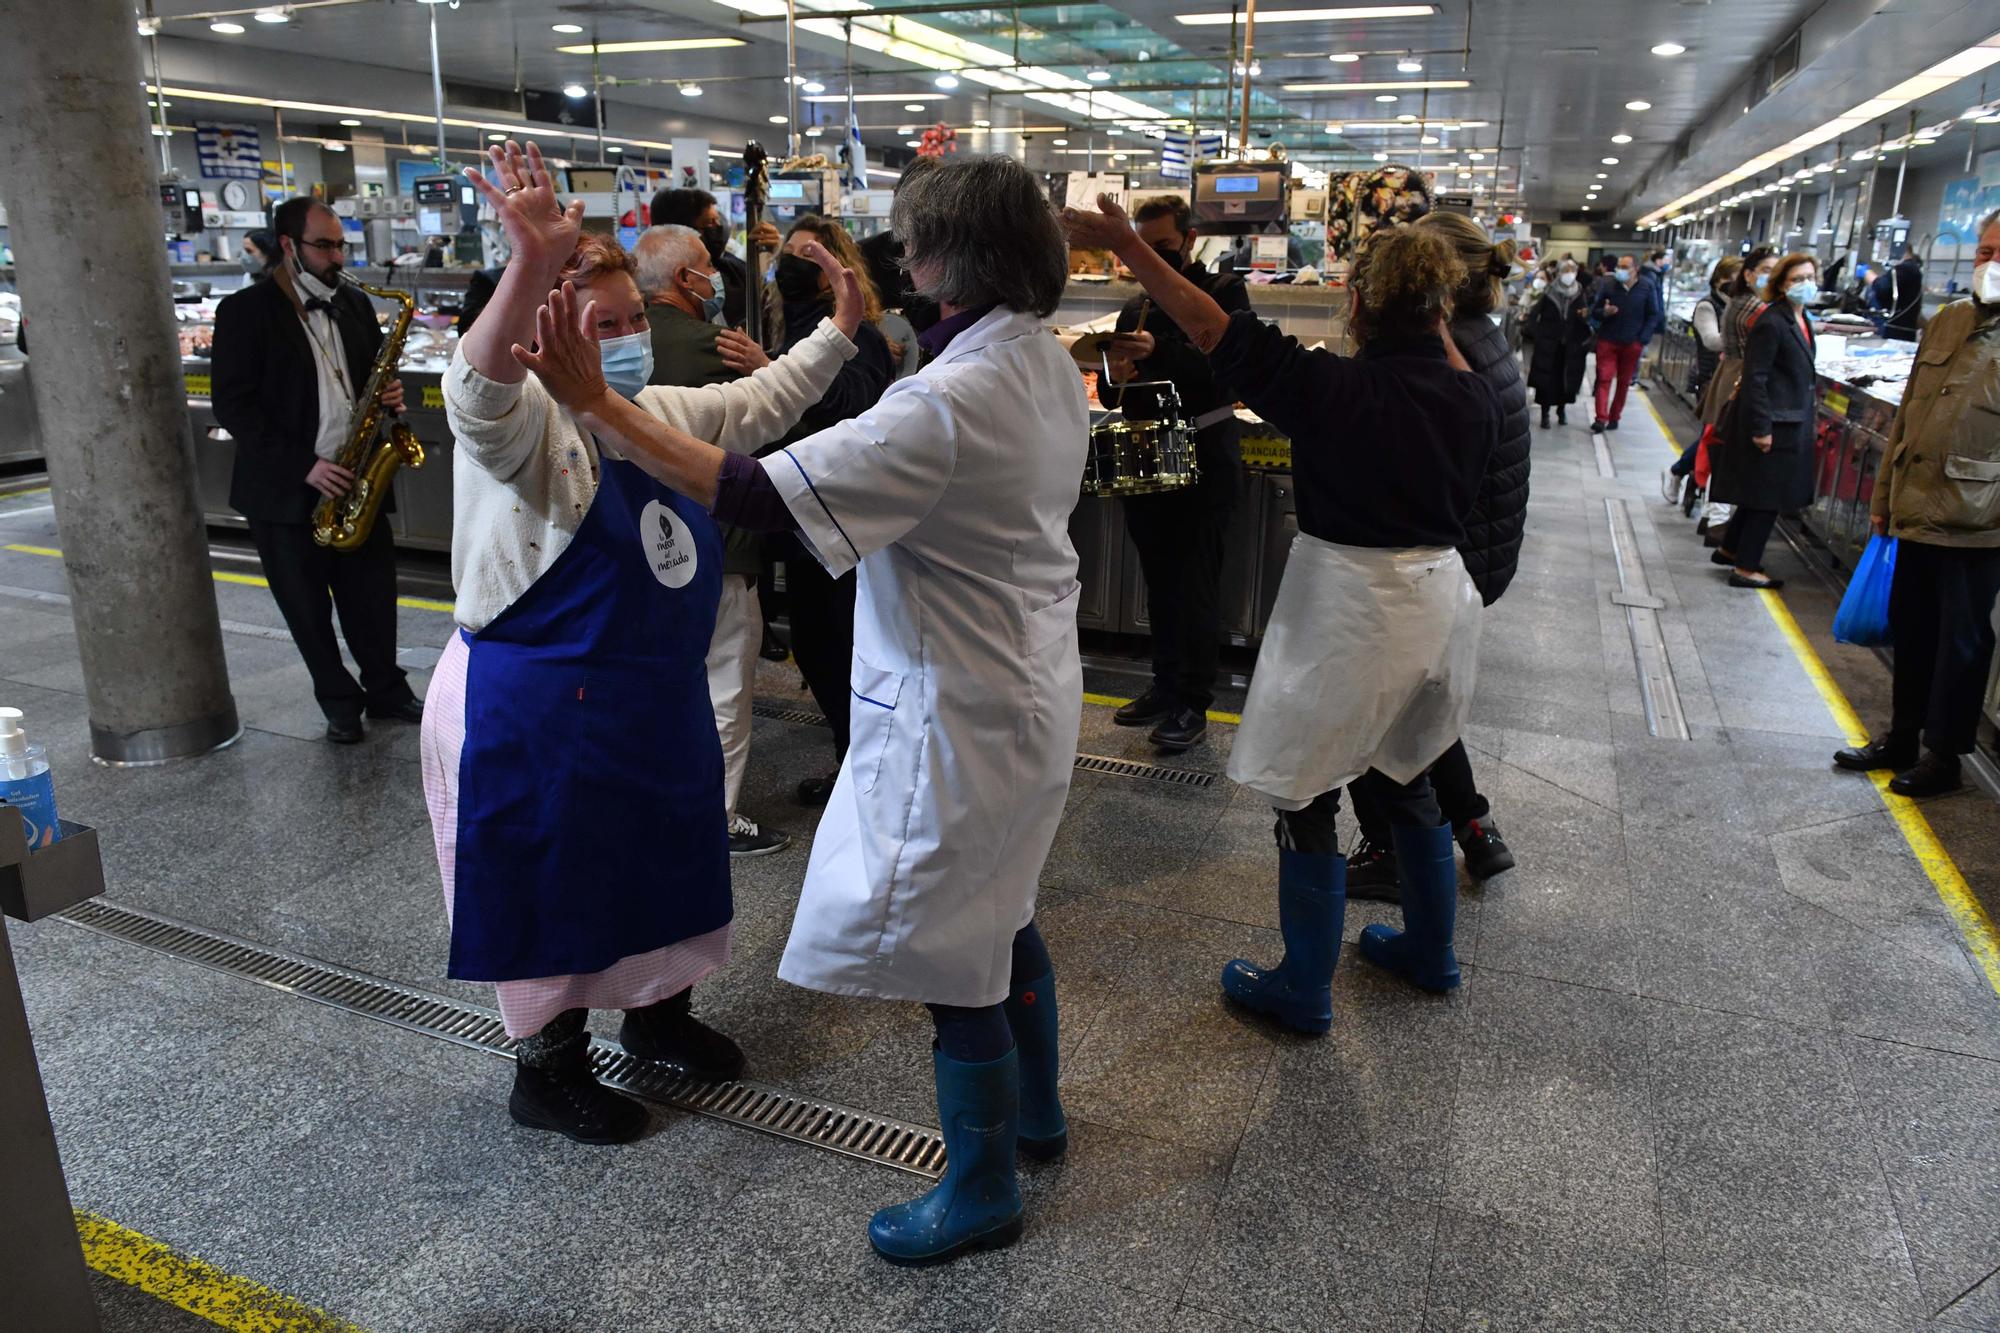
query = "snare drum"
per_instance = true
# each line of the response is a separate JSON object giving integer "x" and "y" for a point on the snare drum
{"x": 1138, "y": 458}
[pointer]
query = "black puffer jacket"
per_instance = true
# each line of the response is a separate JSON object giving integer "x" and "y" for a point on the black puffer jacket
{"x": 1492, "y": 546}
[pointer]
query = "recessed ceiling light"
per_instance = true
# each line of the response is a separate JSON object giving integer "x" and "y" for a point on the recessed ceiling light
{"x": 1406, "y": 118}
{"x": 913, "y": 106}
{"x": 1098, "y": 75}
{"x": 913, "y": 143}
{"x": 575, "y": 90}
{"x": 333, "y": 146}
{"x": 1381, "y": 157}
{"x": 1410, "y": 65}
{"x": 946, "y": 81}
{"x": 1428, "y": 138}
{"x": 1118, "y": 157}
{"x": 225, "y": 27}
{"x": 348, "y": 121}
{"x": 1215, "y": 19}
{"x": 1668, "y": 49}
{"x": 1604, "y": 175}
{"x": 661, "y": 44}
{"x": 1608, "y": 161}
{"x": 1621, "y": 138}
{"x": 613, "y": 148}
{"x": 779, "y": 120}
{"x": 273, "y": 16}
{"x": 1586, "y": 208}
{"x": 814, "y": 131}
{"x": 1637, "y": 105}
{"x": 1114, "y": 130}
{"x": 1840, "y": 171}
{"x": 491, "y": 138}
{"x": 1060, "y": 143}
{"x": 1477, "y": 157}
{"x": 1343, "y": 57}
{"x": 813, "y": 86}
{"x": 567, "y": 29}
{"x": 983, "y": 124}
{"x": 1333, "y": 129}
{"x": 690, "y": 90}
{"x": 1385, "y": 97}
{"x": 906, "y": 129}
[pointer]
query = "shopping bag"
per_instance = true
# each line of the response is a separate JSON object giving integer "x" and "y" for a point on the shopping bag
{"x": 1863, "y": 618}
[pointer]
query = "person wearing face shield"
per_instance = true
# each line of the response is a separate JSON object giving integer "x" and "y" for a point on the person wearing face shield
{"x": 290, "y": 358}
{"x": 1179, "y": 534}
{"x": 570, "y": 759}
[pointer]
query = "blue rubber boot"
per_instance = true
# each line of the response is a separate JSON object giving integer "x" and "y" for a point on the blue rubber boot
{"x": 1420, "y": 952}
{"x": 1312, "y": 902}
{"x": 1031, "y": 1014}
{"x": 977, "y": 1206}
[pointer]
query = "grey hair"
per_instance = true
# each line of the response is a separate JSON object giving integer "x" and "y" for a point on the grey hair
{"x": 660, "y": 252}
{"x": 1987, "y": 221}
{"x": 985, "y": 232}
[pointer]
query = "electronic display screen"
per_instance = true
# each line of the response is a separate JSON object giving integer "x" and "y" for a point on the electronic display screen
{"x": 788, "y": 190}
{"x": 1236, "y": 184}
{"x": 435, "y": 191}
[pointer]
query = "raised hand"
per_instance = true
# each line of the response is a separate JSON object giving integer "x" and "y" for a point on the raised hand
{"x": 1106, "y": 229}
{"x": 542, "y": 232}
{"x": 566, "y": 359}
{"x": 848, "y": 306}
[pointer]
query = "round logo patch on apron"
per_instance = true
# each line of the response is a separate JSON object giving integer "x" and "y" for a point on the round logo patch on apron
{"x": 669, "y": 545}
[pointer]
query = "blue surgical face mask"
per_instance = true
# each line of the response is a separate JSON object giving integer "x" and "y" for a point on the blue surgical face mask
{"x": 711, "y": 305}
{"x": 1763, "y": 281}
{"x": 628, "y": 362}
{"x": 1803, "y": 292}
{"x": 1625, "y": 276}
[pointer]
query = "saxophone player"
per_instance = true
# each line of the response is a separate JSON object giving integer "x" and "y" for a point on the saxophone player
{"x": 290, "y": 357}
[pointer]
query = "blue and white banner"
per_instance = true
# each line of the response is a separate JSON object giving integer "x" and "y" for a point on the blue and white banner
{"x": 857, "y": 153}
{"x": 228, "y": 152}
{"x": 1179, "y": 151}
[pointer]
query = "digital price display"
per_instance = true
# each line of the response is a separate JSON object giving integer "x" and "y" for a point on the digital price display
{"x": 1236, "y": 184}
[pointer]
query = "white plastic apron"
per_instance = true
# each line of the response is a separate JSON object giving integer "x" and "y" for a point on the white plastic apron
{"x": 1368, "y": 662}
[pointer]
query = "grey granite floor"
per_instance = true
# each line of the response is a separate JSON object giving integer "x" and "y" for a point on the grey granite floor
{"x": 1722, "y": 1061}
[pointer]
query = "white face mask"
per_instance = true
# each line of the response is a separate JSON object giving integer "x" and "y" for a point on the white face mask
{"x": 1986, "y": 282}
{"x": 1541, "y": 284}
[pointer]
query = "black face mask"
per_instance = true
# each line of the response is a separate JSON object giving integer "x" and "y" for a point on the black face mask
{"x": 716, "y": 238}
{"x": 797, "y": 278}
{"x": 1170, "y": 253}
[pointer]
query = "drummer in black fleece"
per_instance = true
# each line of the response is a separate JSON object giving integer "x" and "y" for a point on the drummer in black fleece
{"x": 1389, "y": 449}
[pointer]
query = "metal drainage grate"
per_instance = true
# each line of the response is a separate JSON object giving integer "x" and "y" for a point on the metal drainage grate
{"x": 1088, "y": 763}
{"x": 840, "y": 1129}
{"x": 1132, "y": 768}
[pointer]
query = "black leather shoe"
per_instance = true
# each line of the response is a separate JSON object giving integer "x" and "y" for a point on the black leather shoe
{"x": 566, "y": 1098}
{"x": 1372, "y": 875}
{"x": 1934, "y": 775}
{"x": 410, "y": 710}
{"x": 1760, "y": 580}
{"x": 1721, "y": 557}
{"x": 1486, "y": 853}
{"x": 1183, "y": 730}
{"x": 1545, "y": 418}
{"x": 1877, "y": 754}
{"x": 670, "y": 1033}
{"x": 815, "y": 792}
{"x": 345, "y": 731}
{"x": 1611, "y": 425}
{"x": 1150, "y": 707}
{"x": 1597, "y": 427}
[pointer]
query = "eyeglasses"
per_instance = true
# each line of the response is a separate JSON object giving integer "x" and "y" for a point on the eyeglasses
{"x": 323, "y": 245}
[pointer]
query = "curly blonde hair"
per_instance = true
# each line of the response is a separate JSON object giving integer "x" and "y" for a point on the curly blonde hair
{"x": 1402, "y": 284}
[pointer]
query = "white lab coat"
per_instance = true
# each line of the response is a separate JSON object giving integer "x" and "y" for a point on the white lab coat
{"x": 953, "y": 496}
{"x": 1368, "y": 662}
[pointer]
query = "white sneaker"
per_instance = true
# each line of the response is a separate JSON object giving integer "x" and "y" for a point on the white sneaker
{"x": 746, "y": 839}
{"x": 1670, "y": 485}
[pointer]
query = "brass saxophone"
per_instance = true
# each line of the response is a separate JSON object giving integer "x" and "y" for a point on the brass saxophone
{"x": 344, "y": 524}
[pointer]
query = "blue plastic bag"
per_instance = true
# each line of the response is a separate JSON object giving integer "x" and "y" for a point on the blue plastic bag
{"x": 1863, "y": 618}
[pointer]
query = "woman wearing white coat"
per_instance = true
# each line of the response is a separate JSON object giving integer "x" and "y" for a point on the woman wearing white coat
{"x": 952, "y": 495}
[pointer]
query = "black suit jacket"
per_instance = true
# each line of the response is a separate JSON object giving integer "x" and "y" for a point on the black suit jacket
{"x": 266, "y": 394}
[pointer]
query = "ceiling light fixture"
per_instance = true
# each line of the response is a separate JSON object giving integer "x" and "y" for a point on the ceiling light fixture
{"x": 906, "y": 129}
{"x": 1410, "y": 65}
{"x": 348, "y": 121}
{"x": 1060, "y": 143}
{"x": 1638, "y": 106}
{"x": 913, "y": 106}
{"x": 983, "y": 124}
{"x": 566, "y": 29}
{"x": 813, "y": 86}
{"x": 225, "y": 27}
{"x": 575, "y": 90}
{"x": 613, "y": 148}
{"x": 1118, "y": 157}
{"x": 1385, "y": 97}
{"x": 273, "y": 16}
{"x": 1669, "y": 49}
{"x": 495, "y": 137}
{"x": 1621, "y": 138}
{"x": 946, "y": 81}
{"x": 1098, "y": 75}
{"x": 814, "y": 131}
{"x": 1604, "y": 175}
{"x": 1220, "y": 19}
{"x": 661, "y": 44}
{"x": 1376, "y": 85}
{"x": 1381, "y": 157}
{"x": 690, "y": 90}
{"x": 1477, "y": 157}
{"x": 1343, "y": 57}
{"x": 333, "y": 146}
{"x": 1428, "y": 138}
{"x": 778, "y": 120}
{"x": 1608, "y": 161}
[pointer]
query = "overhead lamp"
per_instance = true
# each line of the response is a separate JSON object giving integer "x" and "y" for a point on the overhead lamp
{"x": 658, "y": 44}
{"x": 1343, "y": 57}
{"x": 1428, "y": 139}
{"x": 272, "y": 16}
{"x": 566, "y": 29}
{"x": 1410, "y": 65}
{"x": 613, "y": 148}
{"x": 575, "y": 90}
{"x": 1376, "y": 85}
{"x": 877, "y": 97}
{"x": 983, "y": 124}
{"x": 814, "y": 131}
{"x": 1604, "y": 175}
{"x": 1114, "y": 130}
{"x": 1621, "y": 138}
{"x": 1840, "y": 171}
{"x": 1060, "y": 143}
{"x": 333, "y": 145}
{"x": 1585, "y": 208}
{"x": 495, "y": 137}
{"x": 780, "y": 120}
{"x": 1118, "y": 157}
{"x": 913, "y": 106}
{"x": 1098, "y": 75}
{"x": 1638, "y": 106}
{"x": 1406, "y": 118}
{"x": 1216, "y": 19}
{"x": 946, "y": 81}
{"x": 1385, "y": 97}
{"x": 225, "y": 27}
{"x": 1669, "y": 49}
{"x": 1477, "y": 157}
{"x": 813, "y": 86}
{"x": 348, "y": 121}
{"x": 690, "y": 90}
{"x": 1381, "y": 157}
{"x": 1608, "y": 161}
{"x": 913, "y": 143}
{"x": 1333, "y": 129}
{"x": 906, "y": 129}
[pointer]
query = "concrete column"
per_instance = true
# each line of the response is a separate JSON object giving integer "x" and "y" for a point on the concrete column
{"x": 82, "y": 200}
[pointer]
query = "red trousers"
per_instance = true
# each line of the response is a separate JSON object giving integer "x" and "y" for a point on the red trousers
{"x": 1616, "y": 364}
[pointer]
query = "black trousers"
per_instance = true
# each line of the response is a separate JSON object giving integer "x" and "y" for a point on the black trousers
{"x": 1941, "y": 623}
{"x": 1746, "y": 535}
{"x": 309, "y": 581}
{"x": 1459, "y": 801}
{"x": 821, "y": 612}
{"x": 1412, "y": 804}
{"x": 1180, "y": 536}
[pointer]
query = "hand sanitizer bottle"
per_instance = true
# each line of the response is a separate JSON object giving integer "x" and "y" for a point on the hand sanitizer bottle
{"x": 25, "y": 783}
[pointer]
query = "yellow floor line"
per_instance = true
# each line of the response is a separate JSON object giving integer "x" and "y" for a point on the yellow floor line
{"x": 181, "y": 1280}
{"x": 32, "y": 490}
{"x": 244, "y": 580}
{"x": 1980, "y": 935}
{"x": 1113, "y": 701}
{"x": 1661, "y": 422}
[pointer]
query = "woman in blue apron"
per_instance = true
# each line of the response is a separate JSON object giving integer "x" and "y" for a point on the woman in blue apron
{"x": 570, "y": 761}
{"x": 1366, "y": 670}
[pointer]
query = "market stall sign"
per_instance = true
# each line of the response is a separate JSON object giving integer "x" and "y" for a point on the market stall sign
{"x": 433, "y": 396}
{"x": 227, "y": 151}
{"x": 1836, "y": 403}
{"x": 197, "y": 385}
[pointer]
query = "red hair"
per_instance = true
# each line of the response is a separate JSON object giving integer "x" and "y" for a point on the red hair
{"x": 595, "y": 255}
